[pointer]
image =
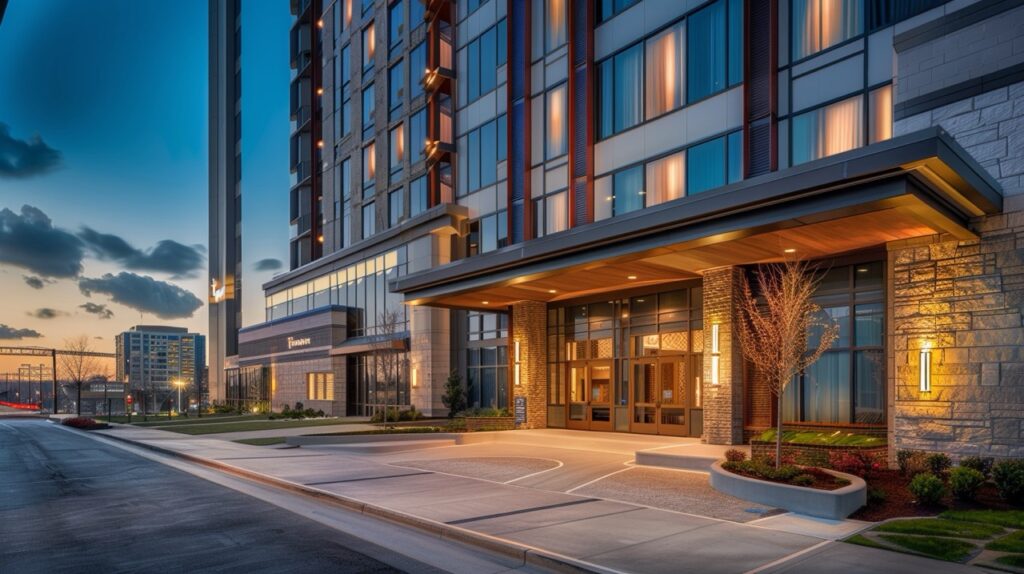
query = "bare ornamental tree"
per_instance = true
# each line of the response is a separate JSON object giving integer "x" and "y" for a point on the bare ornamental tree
{"x": 76, "y": 366}
{"x": 778, "y": 328}
{"x": 388, "y": 361}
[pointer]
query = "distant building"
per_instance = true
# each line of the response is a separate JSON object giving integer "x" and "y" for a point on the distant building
{"x": 151, "y": 358}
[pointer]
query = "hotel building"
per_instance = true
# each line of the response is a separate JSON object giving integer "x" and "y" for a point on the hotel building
{"x": 559, "y": 200}
{"x": 152, "y": 359}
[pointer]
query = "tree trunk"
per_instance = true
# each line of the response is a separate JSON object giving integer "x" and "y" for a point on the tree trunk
{"x": 78, "y": 406}
{"x": 778, "y": 434}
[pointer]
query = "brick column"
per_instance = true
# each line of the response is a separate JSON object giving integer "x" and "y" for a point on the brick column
{"x": 529, "y": 329}
{"x": 723, "y": 403}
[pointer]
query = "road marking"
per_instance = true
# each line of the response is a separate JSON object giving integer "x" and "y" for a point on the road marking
{"x": 523, "y": 511}
{"x": 787, "y": 558}
{"x": 558, "y": 466}
{"x": 588, "y": 483}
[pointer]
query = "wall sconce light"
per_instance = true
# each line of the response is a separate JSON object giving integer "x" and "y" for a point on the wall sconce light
{"x": 714, "y": 354}
{"x": 515, "y": 365}
{"x": 415, "y": 377}
{"x": 925, "y": 371}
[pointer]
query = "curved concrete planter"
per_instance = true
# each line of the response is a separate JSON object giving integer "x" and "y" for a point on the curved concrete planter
{"x": 835, "y": 504}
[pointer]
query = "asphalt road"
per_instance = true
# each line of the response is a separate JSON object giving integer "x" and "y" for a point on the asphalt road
{"x": 72, "y": 504}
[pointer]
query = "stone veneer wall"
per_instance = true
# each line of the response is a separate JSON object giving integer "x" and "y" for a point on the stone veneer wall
{"x": 963, "y": 298}
{"x": 723, "y": 403}
{"x": 288, "y": 380}
{"x": 529, "y": 328}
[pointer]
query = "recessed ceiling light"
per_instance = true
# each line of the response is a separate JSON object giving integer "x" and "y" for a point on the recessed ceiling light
{"x": 862, "y": 270}
{"x": 631, "y": 277}
{"x": 790, "y": 250}
{"x": 552, "y": 291}
{"x": 486, "y": 302}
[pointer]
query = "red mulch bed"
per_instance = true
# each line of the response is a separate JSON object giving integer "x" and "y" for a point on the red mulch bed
{"x": 899, "y": 502}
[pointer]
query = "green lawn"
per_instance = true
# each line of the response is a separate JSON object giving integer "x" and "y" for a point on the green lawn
{"x": 941, "y": 527}
{"x": 861, "y": 540}
{"x": 200, "y": 429}
{"x": 1011, "y": 560}
{"x": 1009, "y": 543}
{"x": 162, "y": 420}
{"x": 830, "y": 438}
{"x": 265, "y": 441}
{"x": 396, "y": 430}
{"x": 1007, "y": 518}
{"x": 949, "y": 549}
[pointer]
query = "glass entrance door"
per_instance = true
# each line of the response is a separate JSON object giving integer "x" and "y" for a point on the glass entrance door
{"x": 590, "y": 396}
{"x": 659, "y": 396}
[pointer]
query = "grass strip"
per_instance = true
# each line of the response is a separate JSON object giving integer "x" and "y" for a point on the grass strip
{"x": 941, "y": 527}
{"x": 948, "y": 549}
{"x": 1009, "y": 543}
{"x": 201, "y": 429}
{"x": 264, "y": 441}
{"x": 1014, "y": 560}
{"x": 861, "y": 540}
{"x": 1007, "y": 518}
{"x": 399, "y": 430}
{"x": 831, "y": 438}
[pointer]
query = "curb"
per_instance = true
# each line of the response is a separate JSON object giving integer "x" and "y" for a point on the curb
{"x": 528, "y": 555}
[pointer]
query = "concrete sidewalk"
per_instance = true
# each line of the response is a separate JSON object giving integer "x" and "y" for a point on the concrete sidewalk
{"x": 582, "y": 531}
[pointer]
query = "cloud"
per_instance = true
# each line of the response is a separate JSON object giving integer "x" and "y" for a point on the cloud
{"x": 98, "y": 309}
{"x": 35, "y": 282}
{"x": 30, "y": 241}
{"x": 167, "y": 256}
{"x": 268, "y": 264}
{"x": 11, "y": 333}
{"x": 144, "y": 294}
{"x": 46, "y": 313}
{"x": 21, "y": 159}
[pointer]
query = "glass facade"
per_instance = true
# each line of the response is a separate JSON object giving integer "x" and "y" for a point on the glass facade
{"x": 821, "y": 24}
{"x": 847, "y": 384}
{"x": 361, "y": 286}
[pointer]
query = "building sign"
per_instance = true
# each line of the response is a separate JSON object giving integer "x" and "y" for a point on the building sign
{"x": 297, "y": 342}
{"x": 520, "y": 410}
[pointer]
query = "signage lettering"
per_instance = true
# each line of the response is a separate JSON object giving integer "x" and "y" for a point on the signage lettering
{"x": 294, "y": 342}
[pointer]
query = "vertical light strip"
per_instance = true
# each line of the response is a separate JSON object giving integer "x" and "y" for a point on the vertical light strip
{"x": 925, "y": 371}
{"x": 515, "y": 366}
{"x": 714, "y": 354}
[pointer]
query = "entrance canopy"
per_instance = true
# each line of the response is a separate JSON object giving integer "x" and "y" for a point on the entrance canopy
{"x": 911, "y": 186}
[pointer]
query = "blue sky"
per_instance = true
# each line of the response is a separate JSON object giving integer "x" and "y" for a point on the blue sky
{"x": 119, "y": 89}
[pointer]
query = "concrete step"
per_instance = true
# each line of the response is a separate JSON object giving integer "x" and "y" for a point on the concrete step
{"x": 697, "y": 462}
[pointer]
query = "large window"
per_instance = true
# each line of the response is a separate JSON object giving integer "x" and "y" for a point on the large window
{"x": 397, "y": 155}
{"x": 396, "y": 88}
{"x": 487, "y": 376}
{"x": 666, "y": 61}
{"x": 483, "y": 57}
{"x": 396, "y": 207}
{"x": 829, "y": 130}
{"x": 880, "y": 110}
{"x": 487, "y": 233}
{"x": 551, "y": 213}
{"x": 417, "y": 135}
{"x": 847, "y": 384}
{"x": 418, "y": 201}
{"x": 342, "y": 93}
{"x": 665, "y": 179}
{"x": 606, "y": 9}
{"x": 320, "y": 386}
{"x": 342, "y": 201}
{"x": 369, "y": 165}
{"x": 821, "y": 24}
{"x": 555, "y": 25}
{"x": 714, "y": 163}
{"x": 715, "y": 49}
{"x": 369, "y": 45}
{"x": 485, "y": 147}
{"x": 369, "y": 220}
{"x": 417, "y": 67}
{"x": 620, "y": 91}
{"x": 396, "y": 24}
{"x": 369, "y": 106}
{"x": 557, "y": 123}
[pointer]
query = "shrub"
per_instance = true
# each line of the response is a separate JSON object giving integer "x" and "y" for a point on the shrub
{"x": 978, "y": 463}
{"x": 1009, "y": 478}
{"x": 454, "y": 397}
{"x": 484, "y": 412}
{"x": 81, "y": 423}
{"x": 912, "y": 462}
{"x": 395, "y": 415}
{"x": 853, "y": 462}
{"x": 803, "y": 480}
{"x": 876, "y": 495}
{"x": 735, "y": 455}
{"x": 928, "y": 489}
{"x": 939, "y": 463}
{"x": 965, "y": 482}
